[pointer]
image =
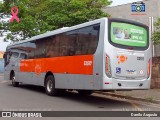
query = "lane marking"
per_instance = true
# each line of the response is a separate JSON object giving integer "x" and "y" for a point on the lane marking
{"x": 136, "y": 106}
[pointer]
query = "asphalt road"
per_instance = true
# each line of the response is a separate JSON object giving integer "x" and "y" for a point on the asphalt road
{"x": 33, "y": 98}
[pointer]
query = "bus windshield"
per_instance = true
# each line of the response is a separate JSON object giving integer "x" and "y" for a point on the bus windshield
{"x": 128, "y": 34}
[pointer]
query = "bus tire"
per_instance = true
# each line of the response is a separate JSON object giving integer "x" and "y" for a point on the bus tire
{"x": 50, "y": 86}
{"x": 85, "y": 92}
{"x": 14, "y": 83}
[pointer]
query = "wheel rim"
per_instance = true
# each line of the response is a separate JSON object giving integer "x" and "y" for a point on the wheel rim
{"x": 49, "y": 85}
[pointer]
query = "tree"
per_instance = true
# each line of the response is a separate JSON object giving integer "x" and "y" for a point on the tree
{"x": 40, "y": 16}
{"x": 156, "y": 34}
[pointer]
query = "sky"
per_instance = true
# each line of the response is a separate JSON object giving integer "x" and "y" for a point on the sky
{"x": 3, "y": 45}
{"x": 120, "y": 2}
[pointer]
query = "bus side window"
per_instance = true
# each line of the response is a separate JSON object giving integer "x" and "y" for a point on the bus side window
{"x": 94, "y": 38}
{"x": 23, "y": 56}
{"x": 31, "y": 49}
{"x": 71, "y": 47}
{"x": 52, "y": 46}
{"x": 40, "y": 51}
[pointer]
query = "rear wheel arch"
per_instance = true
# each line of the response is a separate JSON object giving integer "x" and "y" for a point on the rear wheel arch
{"x": 50, "y": 85}
{"x": 12, "y": 77}
{"x": 11, "y": 74}
{"x": 47, "y": 74}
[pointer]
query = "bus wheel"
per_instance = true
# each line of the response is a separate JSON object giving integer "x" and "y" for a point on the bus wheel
{"x": 50, "y": 86}
{"x": 14, "y": 83}
{"x": 85, "y": 92}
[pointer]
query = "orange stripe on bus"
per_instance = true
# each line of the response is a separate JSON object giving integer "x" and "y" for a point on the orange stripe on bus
{"x": 69, "y": 64}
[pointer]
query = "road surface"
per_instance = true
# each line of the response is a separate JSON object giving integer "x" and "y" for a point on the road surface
{"x": 33, "y": 98}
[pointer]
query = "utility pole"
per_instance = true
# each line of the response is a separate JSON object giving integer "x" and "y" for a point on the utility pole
{"x": 151, "y": 30}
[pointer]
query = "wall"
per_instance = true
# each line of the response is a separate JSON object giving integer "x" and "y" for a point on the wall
{"x": 155, "y": 82}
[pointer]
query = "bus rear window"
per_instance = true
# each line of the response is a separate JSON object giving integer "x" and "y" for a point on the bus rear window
{"x": 128, "y": 34}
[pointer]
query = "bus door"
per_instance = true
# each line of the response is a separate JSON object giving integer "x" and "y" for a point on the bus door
{"x": 14, "y": 65}
{"x": 7, "y": 57}
{"x": 22, "y": 67}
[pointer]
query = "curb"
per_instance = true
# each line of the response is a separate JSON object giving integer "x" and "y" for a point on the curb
{"x": 128, "y": 97}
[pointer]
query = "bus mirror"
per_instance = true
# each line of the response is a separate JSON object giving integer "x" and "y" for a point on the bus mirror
{"x": 4, "y": 55}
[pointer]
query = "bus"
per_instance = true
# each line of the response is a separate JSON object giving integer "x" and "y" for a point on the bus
{"x": 103, "y": 54}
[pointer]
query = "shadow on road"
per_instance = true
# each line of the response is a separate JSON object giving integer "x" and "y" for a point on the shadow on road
{"x": 99, "y": 101}
{"x": 33, "y": 88}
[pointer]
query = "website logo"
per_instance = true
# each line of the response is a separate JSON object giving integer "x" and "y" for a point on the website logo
{"x": 6, "y": 114}
{"x": 138, "y": 7}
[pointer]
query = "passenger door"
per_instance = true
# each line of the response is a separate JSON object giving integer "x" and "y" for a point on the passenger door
{"x": 14, "y": 64}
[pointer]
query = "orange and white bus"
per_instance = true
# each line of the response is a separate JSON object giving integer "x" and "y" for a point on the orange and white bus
{"x": 104, "y": 54}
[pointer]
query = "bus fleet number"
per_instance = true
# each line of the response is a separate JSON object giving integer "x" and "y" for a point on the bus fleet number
{"x": 87, "y": 63}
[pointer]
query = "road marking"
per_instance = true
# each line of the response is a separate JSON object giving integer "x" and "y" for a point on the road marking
{"x": 136, "y": 106}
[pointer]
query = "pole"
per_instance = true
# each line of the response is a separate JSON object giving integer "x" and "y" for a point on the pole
{"x": 151, "y": 30}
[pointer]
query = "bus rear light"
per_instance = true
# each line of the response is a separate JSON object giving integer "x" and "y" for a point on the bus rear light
{"x": 149, "y": 68}
{"x": 108, "y": 66}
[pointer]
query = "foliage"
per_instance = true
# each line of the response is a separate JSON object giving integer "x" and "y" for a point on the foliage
{"x": 40, "y": 16}
{"x": 156, "y": 34}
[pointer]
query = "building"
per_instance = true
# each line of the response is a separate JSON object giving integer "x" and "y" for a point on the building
{"x": 152, "y": 12}
{"x": 1, "y": 54}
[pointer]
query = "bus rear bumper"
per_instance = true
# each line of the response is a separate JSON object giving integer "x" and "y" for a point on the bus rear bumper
{"x": 118, "y": 84}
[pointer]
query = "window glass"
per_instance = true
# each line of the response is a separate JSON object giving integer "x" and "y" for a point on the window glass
{"x": 14, "y": 55}
{"x": 87, "y": 40}
{"x": 71, "y": 42}
{"x": 30, "y": 47}
{"x": 128, "y": 34}
{"x": 63, "y": 44}
{"x": 52, "y": 46}
{"x": 40, "y": 51}
{"x": 81, "y": 41}
{"x": 23, "y": 56}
